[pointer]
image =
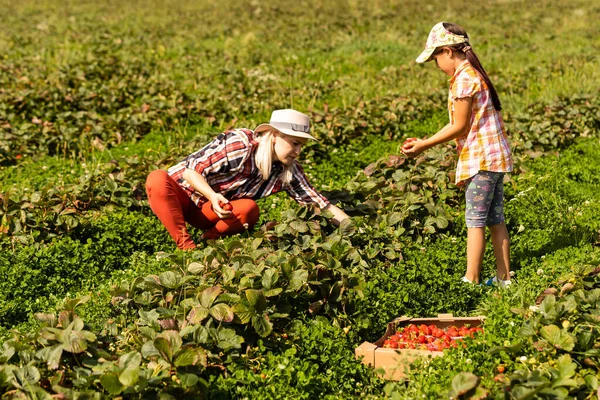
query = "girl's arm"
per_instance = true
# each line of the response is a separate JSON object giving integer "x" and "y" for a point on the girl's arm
{"x": 198, "y": 182}
{"x": 462, "y": 121}
{"x": 338, "y": 214}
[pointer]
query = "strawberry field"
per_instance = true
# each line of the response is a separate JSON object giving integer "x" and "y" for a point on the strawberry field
{"x": 97, "y": 303}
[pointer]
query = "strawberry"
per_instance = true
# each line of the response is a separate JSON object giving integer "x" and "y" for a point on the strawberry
{"x": 226, "y": 206}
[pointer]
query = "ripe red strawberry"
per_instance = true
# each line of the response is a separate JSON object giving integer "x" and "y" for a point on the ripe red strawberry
{"x": 452, "y": 331}
{"x": 226, "y": 206}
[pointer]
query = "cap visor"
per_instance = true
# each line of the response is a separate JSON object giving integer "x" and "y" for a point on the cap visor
{"x": 289, "y": 132}
{"x": 425, "y": 55}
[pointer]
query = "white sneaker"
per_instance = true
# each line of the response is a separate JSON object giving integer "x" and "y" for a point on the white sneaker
{"x": 494, "y": 281}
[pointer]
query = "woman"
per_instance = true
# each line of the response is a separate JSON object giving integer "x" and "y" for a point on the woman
{"x": 215, "y": 188}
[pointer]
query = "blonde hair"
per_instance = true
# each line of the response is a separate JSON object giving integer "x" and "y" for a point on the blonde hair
{"x": 264, "y": 157}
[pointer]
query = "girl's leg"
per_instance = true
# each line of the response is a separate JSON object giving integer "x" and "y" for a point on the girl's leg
{"x": 475, "y": 251}
{"x": 479, "y": 195}
{"x": 501, "y": 243}
{"x": 245, "y": 216}
{"x": 499, "y": 233}
{"x": 170, "y": 203}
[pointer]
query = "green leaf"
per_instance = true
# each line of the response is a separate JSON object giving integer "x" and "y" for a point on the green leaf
{"x": 209, "y": 295}
{"x": 73, "y": 341}
{"x": 299, "y": 226}
{"x": 148, "y": 317}
{"x": 174, "y": 339}
{"x": 111, "y": 383}
{"x": 164, "y": 348}
{"x": 273, "y": 292}
{"x": 394, "y": 218}
{"x": 191, "y": 356}
{"x": 228, "y": 338}
{"x": 347, "y": 227}
{"x": 129, "y": 376}
{"x": 335, "y": 294}
{"x": 526, "y": 331}
{"x": 228, "y": 274}
{"x": 72, "y": 303}
{"x": 565, "y": 366}
{"x": 591, "y": 382}
{"x": 222, "y": 312}
{"x": 554, "y": 336}
{"x": 130, "y": 360}
{"x": 47, "y": 319}
{"x": 51, "y": 355}
{"x": 196, "y": 268}
{"x": 234, "y": 245}
{"x": 149, "y": 350}
{"x": 299, "y": 278}
{"x": 464, "y": 382}
{"x": 548, "y": 308}
{"x": 27, "y": 375}
{"x": 262, "y": 325}
{"x": 188, "y": 380}
{"x": 197, "y": 314}
{"x": 270, "y": 278}
{"x": 508, "y": 349}
{"x": 169, "y": 280}
{"x": 243, "y": 312}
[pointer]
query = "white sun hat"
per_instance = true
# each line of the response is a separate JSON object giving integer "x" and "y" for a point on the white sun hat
{"x": 438, "y": 37}
{"x": 289, "y": 122}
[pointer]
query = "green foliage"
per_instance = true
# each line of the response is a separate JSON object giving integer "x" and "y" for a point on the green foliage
{"x": 313, "y": 359}
{"x": 35, "y": 277}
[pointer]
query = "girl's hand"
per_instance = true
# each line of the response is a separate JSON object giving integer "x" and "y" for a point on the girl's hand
{"x": 413, "y": 147}
{"x": 407, "y": 141}
{"x": 220, "y": 206}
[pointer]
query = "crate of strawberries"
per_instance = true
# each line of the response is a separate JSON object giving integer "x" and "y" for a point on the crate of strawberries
{"x": 408, "y": 338}
{"x": 429, "y": 337}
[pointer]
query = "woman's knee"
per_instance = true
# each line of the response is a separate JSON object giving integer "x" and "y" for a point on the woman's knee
{"x": 247, "y": 211}
{"x": 156, "y": 181}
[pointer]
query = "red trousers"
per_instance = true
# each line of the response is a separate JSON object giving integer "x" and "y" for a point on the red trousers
{"x": 174, "y": 209}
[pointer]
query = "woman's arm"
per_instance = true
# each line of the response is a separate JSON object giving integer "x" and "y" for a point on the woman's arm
{"x": 198, "y": 182}
{"x": 338, "y": 214}
{"x": 461, "y": 125}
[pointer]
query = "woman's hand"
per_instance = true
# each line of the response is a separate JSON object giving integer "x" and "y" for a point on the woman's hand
{"x": 221, "y": 206}
{"x": 412, "y": 147}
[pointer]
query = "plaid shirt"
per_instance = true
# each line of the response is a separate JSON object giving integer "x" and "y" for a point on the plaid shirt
{"x": 228, "y": 165}
{"x": 485, "y": 147}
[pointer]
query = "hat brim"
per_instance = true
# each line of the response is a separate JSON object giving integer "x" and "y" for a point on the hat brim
{"x": 289, "y": 132}
{"x": 425, "y": 55}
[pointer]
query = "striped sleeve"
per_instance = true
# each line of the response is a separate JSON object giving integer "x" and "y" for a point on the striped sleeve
{"x": 226, "y": 153}
{"x": 302, "y": 191}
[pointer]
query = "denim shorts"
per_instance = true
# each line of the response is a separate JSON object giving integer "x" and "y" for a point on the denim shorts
{"x": 485, "y": 199}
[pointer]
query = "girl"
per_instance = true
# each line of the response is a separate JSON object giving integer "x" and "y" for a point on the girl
{"x": 215, "y": 188}
{"x": 483, "y": 151}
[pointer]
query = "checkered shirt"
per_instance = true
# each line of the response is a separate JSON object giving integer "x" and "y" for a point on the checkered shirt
{"x": 228, "y": 165}
{"x": 486, "y": 146}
